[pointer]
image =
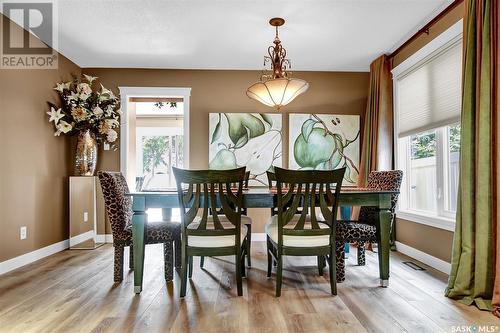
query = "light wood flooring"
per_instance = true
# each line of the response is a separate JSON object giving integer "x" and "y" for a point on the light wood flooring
{"x": 73, "y": 291}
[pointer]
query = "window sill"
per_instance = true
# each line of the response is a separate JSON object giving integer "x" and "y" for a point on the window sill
{"x": 430, "y": 220}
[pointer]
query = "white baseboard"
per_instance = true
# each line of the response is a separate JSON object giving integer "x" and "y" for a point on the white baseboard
{"x": 81, "y": 238}
{"x": 427, "y": 259}
{"x": 28, "y": 258}
{"x": 104, "y": 238}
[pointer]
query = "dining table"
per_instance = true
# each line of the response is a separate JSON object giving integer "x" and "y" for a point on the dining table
{"x": 256, "y": 197}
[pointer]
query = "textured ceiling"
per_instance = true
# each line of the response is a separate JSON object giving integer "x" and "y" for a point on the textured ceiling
{"x": 204, "y": 34}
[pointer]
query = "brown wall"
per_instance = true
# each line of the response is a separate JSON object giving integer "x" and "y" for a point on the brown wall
{"x": 224, "y": 91}
{"x": 434, "y": 241}
{"x": 35, "y": 165}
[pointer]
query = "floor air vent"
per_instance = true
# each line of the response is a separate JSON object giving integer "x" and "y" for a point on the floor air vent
{"x": 413, "y": 265}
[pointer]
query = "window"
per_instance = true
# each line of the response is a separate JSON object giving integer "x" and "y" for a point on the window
{"x": 430, "y": 162}
{"x": 154, "y": 137}
{"x": 427, "y": 89}
{"x": 158, "y": 150}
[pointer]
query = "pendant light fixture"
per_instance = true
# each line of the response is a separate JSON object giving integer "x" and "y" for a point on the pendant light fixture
{"x": 277, "y": 88}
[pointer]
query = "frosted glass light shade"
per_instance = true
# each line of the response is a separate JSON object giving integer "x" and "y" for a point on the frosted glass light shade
{"x": 277, "y": 92}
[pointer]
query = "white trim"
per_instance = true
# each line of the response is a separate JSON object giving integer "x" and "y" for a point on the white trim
{"x": 81, "y": 238}
{"x": 449, "y": 37}
{"x": 104, "y": 238}
{"x": 439, "y": 222}
{"x": 422, "y": 24}
{"x": 427, "y": 259}
{"x": 258, "y": 236}
{"x": 28, "y": 258}
{"x": 435, "y": 47}
{"x": 127, "y": 92}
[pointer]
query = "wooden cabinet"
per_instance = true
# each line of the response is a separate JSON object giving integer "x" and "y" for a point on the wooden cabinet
{"x": 86, "y": 213}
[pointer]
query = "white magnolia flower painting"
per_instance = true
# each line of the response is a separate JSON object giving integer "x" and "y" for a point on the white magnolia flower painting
{"x": 253, "y": 140}
{"x": 325, "y": 142}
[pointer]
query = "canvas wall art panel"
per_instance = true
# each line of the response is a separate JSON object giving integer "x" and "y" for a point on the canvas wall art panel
{"x": 325, "y": 142}
{"x": 253, "y": 140}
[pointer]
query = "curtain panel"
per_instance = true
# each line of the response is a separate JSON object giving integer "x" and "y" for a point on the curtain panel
{"x": 496, "y": 152}
{"x": 378, "y": 129}
{"x": 473, "y": 265}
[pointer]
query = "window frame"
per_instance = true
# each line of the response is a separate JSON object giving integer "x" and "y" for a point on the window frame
{"x": 443, "y": 219}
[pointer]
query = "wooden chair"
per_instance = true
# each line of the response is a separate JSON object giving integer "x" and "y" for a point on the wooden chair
{"x": 211, "y": 234}
{"x": 304, "y": 234}
{"x": 364, "y": 229}
{"x": 245, "y": 219}
{"x": 119, "y": 210}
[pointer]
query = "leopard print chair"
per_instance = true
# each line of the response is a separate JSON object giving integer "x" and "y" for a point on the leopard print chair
{"x": 363, "y": 230}
{"x": 119, "y": 210}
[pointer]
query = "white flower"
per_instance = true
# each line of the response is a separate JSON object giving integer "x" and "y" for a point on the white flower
{"x": 84, "y": 88}
{"x": 62, "y": 86}
{"x": 79, "y": 113}
{"x": 55, "y": 115}
{"x": 111, "y": 135}
{"x": 64, "y": 127}
{"x": 97, "y": 111}
{"x": 84, "y": 96}
{"x": 108, "y": 92}
{"x": 89, "y": 78}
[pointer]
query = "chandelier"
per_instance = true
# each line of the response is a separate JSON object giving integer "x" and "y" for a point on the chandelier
{"x": 277, "y": 88}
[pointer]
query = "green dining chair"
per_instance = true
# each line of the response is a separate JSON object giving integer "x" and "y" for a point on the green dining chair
{"x": 211, "y": 234}
{"x": 245, "y": 219}
{"x": 304, "y": 234}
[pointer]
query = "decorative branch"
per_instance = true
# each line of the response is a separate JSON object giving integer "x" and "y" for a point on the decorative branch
{"x": 327, "y": 131}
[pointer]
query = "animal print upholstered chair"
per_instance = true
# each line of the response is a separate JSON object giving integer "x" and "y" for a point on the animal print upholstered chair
{"x": 363, "y": 230}
{"x": 119, "y": 210}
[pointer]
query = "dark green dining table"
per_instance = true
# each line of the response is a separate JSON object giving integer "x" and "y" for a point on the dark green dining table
{"x": 262, "y": 198}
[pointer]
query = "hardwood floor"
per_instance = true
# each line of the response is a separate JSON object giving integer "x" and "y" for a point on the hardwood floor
{"x": 73, "y": 291}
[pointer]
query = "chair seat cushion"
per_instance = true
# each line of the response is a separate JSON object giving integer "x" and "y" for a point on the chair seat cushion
{"x": 161, "y": 231}
{"x": 214, "y": 241}
{"x": 297, "y": 241}
{"x": 157, "y": 232}
{"x": 352, "y": 231}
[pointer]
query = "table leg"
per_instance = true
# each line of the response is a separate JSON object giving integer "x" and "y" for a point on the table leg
{"x": 383, "y": 235}
{"x": 166, "y": 214}
{"x": 138, "y": 235}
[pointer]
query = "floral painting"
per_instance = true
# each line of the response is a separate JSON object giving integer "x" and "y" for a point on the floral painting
{"x": 325, "y": 142}
{"x": 253, "y": 140}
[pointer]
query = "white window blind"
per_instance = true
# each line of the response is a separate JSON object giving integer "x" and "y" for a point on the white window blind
{"x": 429, "y": 95}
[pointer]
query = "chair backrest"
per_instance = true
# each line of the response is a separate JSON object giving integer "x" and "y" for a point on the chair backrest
{"x": 271, "y": 179}
{"x": 208, "y": 190}
{"x": 118, "y": 205}
{"x": 220, "y": 210}
{"x": 382, "y": 180}
{"x": 309, "y": 189}
{"x": 271, "y": 182}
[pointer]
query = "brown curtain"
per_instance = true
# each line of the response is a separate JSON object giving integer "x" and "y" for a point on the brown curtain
{"x": 377, "y": 147}
{"x": 496, "y": 151}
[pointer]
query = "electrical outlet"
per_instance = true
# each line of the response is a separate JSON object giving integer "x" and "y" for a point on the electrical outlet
{"x": 23, "y": 232}
{"x": 106, "y": 146}
{"x": 85, "y": 216}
